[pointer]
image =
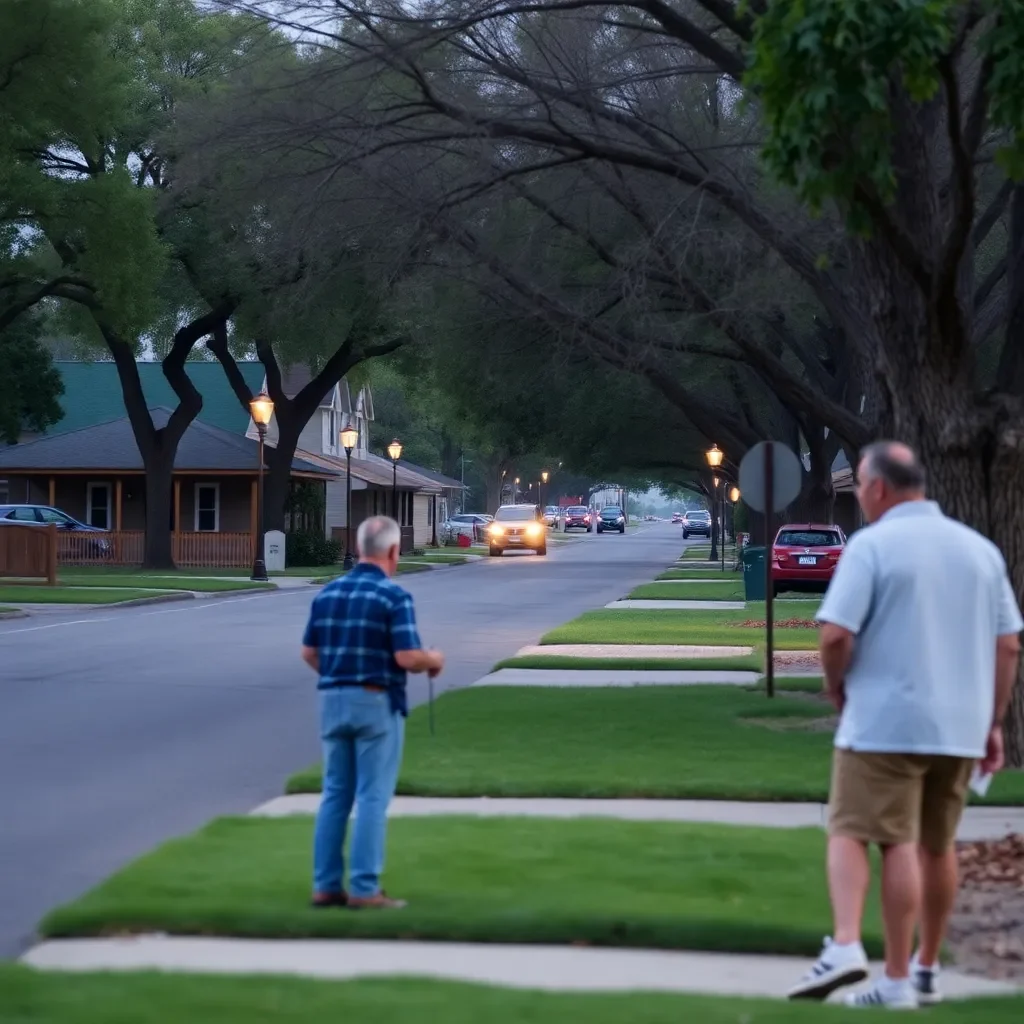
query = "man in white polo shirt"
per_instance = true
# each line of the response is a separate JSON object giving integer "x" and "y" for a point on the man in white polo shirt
{"x": 919, "y": 647}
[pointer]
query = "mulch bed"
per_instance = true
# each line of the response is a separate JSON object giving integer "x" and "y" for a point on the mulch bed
{"x": 986, "y": 933}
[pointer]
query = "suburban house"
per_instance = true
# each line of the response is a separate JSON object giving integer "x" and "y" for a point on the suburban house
{"x": 424, "y": 497}
{"x": 88, "y": 465}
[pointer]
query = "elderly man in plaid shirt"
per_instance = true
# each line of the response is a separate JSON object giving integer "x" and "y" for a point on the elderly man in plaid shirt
{"x": 361, "y": 641}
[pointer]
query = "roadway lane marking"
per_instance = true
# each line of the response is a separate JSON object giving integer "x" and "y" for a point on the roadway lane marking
{"x": 55, "y": 625}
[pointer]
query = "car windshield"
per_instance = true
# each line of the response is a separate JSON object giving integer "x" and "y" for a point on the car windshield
{"x": 698, "y": 515}
{"x": 611, "y": 510}
{"x": 552, "y": 510}
{"x": 808, "y": 539}
{"x": 516, "y": 515}
{"x": 578, "y": 510}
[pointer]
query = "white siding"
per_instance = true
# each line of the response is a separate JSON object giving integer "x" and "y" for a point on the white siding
{"x": 334, "y": 505}
{"x": 423, "y": 532}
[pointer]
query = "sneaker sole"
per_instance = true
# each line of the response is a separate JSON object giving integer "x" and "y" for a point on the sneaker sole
{"x": 826, "y": 986}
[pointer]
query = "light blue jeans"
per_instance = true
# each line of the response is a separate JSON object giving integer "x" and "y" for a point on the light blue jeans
{"x": 362, "y": 750}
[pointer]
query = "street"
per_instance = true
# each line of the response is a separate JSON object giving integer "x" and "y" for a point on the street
{"x": 121, "y": 729}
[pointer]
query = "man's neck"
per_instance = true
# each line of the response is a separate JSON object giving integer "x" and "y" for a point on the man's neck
{"x": 377, "y": 563}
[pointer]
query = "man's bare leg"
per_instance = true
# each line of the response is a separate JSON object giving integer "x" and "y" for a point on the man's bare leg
{"x": 901, "y": 906}
{"x": 939, "y": 883}
{"x": 849, "y": 875}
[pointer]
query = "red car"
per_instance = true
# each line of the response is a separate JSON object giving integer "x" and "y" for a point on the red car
{"x": 804, "y": 556}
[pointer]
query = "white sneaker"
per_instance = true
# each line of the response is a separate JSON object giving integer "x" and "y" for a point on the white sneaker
{"x": 837, "y": 967}
{"x": 890, "y": 995}
{"x": 926, "y": 983}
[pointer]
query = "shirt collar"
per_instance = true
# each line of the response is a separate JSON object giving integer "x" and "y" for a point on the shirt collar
{"x": 364, "y": 567}
{"x": 909, "y": 509}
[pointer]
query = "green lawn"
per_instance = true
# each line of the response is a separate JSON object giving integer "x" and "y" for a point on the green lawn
{"x": 436, "y": 558}
{"x": 700, "y": 574}
{"x": 667, "y": 742}
{"x": 702, "y": 553}
{"x": 728, "y": 591}
{"x": 745, "y": 662}
{"x": 32, "y": 594}
{"x": 151, "y": 998}
{"x": 520, "y": 880}
{"x": 240, "y": 574}
{"x": 658, "y": 626}
{"x": 404, "y": 568}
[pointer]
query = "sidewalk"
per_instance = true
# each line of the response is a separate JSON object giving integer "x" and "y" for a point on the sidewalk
{"x": 558, "y": 677}
{"x": 549, "y": 968}
{"x": 978, "y": 822}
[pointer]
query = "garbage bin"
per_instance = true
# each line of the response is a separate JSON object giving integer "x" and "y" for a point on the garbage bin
{"x": 753, "y": 573}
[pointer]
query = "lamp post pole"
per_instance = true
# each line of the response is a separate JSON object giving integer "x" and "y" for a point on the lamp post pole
{"x": 349, "y": 438}
{"x": 261, "y": 408}
{"x": 395, "y": 452}
{"x": 723, "y": 525}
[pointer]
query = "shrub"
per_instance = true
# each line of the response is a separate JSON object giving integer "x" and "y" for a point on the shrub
{"x": 308, "y": 548}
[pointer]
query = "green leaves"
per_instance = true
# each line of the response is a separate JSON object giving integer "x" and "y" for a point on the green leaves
{"x": 1003, "y": 46}
{"x": 823, "y": 71}
{"x": 32, "y": 384}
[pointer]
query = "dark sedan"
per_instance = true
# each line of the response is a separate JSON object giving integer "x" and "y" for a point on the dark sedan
{"x": 611, "y": 519}
{"x": 43, "y": 515}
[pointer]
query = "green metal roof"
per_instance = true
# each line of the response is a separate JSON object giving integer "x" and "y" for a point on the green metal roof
{"x": 92, "y": 393}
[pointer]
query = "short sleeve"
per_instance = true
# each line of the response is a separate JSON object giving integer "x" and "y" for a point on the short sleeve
{"x": 404, "y": 634}
{"x": 849, "y": 596}
{"x": 311, "y": 637}
{"x": 1008, "y": 619}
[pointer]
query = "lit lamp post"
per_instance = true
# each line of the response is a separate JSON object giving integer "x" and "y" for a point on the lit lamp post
{"x": 349, "y": 439}
{"x": 515, "y": 493}
{"x": 714, "y": 456}
{"x": 395, "y": 453}
{"x": 544, "y": 480}
{"x": 261, "y": 408}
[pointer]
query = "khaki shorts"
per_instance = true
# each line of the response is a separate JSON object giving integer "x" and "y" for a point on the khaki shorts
{"x": 898, "y": 798}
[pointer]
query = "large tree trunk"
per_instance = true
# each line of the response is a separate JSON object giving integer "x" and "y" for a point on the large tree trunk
{"x": 278, "y": 477}
{"x": 158, "y": 552}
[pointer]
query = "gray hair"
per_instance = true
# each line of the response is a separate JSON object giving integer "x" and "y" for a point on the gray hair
{"x": 896, "y": 465}
{"x": 377, "y": 536}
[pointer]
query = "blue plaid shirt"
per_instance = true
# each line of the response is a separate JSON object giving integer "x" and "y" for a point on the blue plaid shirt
{"x": 357, "y": 624}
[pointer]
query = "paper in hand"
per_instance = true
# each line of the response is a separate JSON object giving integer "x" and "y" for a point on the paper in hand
{"x": 979, "y": 783}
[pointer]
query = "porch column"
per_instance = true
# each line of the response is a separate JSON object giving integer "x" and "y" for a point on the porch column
{"x": 253, "y": 516}
{"x": 177, "y": 519}
{"x": 53, "y": 493}
{"x": 117, "y": 506}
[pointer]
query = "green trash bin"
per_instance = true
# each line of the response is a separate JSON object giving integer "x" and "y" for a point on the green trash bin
{"x": 753, "y": 573}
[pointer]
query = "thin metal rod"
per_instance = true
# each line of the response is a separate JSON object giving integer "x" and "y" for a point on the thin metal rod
{"x": 430, "y": 702}
{"x": 769, "y": 587}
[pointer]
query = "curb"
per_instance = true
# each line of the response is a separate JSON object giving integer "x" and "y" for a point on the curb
{"x": 17, "y": 613}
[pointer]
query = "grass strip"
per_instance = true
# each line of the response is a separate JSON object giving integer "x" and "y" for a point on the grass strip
{"x": 696, "y": 591}
{"x": 700, "y": 574}
{"x": 168, "y": 582}
{"x": 746, "y": 662}
{"x": 686, "y": 626}
{"x": 152, "y": 998}
{"x": 659, "y": 742}
{"x": 33, "y": 594}
{"x": 519, "y": 880}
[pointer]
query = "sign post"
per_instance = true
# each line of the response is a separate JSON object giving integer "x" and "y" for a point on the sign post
{"x": 769, "y": 479}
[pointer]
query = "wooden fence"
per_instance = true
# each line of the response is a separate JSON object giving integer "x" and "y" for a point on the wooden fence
{"x": 29, "y": 552}
{"x": 127, "y": 547}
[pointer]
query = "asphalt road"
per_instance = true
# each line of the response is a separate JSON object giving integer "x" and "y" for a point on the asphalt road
{"x": 122, "y": 728}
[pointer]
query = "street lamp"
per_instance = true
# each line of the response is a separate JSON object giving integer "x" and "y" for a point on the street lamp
{"x": 734, "y": 495}
{"x": 515, "y": 493}
{"x": 261, "y": 408}
{"x": 714, "y": 455}
{"x": 395, "y": 453}
{"x": 349, "y": 437}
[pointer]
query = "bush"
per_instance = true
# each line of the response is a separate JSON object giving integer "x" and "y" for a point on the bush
{"x": 308, "y": 548}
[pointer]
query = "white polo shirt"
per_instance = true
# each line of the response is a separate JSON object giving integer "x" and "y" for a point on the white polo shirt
{"x": 926, "y": 598}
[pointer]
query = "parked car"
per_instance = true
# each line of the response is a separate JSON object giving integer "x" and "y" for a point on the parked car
{"x": 804, "y": 556}
{"x": 611, "y": 518}
{"x": 578, "y": 518}
{"x": 517, "y": 528}
{"x": 696, "y": 524}
{"x": 42, "y": 515}
{"x": 677, "y": 517}
{"x": 469, "y": 524}
{"x": 551, "y": 514}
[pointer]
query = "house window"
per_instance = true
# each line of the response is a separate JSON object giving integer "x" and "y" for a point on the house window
{"x": 207, "y": 508}
{"x": 97, "y": 505}
{"x": 5, "y": 492}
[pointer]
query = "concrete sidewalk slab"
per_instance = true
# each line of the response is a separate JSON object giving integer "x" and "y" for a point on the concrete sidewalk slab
{"x": 977, "y": 823}
{"x": 566, "y": 677}
{"x": 672, "y": 605}
{"x": 549, "y": 968}
{"x": 716, "y": 812}
{"x": 634, "y": 651}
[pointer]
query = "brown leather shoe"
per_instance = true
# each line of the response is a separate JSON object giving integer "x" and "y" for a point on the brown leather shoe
{"x": 329, "y": 899}
{"x": 379, "y": 901}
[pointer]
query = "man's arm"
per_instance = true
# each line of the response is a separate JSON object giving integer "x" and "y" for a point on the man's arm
{"x": 311, "y": 656}
{"x": 406, "y": 646}
{"x": 836, "y": 646}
